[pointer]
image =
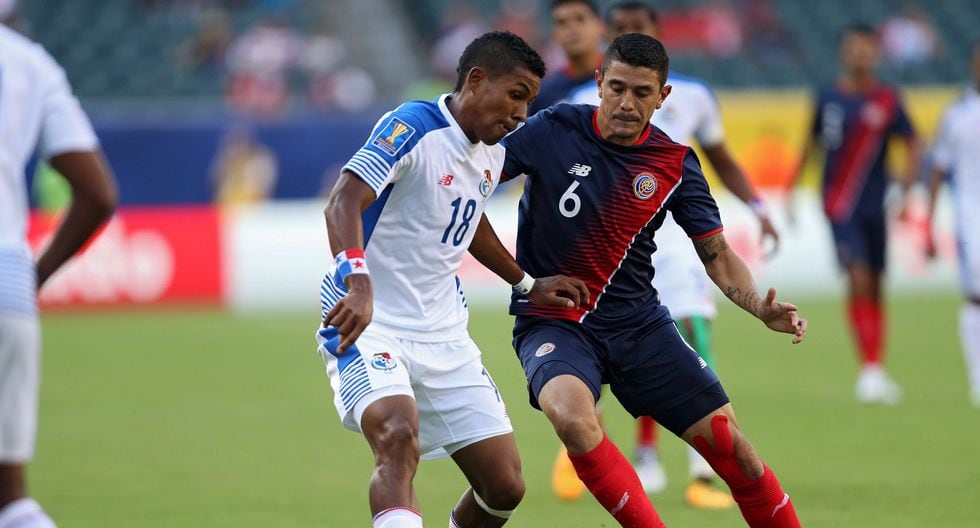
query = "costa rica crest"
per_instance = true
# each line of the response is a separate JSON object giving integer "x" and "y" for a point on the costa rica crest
{"x": 644, "y": 185}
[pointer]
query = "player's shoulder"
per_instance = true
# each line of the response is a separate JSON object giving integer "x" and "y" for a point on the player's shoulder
{"x": 422, "y": 116}
{"x": 19, "y": 48}
{"x": 690, "y": 84}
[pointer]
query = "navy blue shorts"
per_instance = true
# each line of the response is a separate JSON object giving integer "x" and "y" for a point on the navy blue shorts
{"x": 651, "y": 370}
{"x": 861, "y": 240}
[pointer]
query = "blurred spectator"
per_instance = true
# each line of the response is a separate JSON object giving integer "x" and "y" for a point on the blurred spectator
{"x": 206, "y": 50}
{"x": 767, "y": 39}
{"x": 460, "y": 25}
{"x": 259, "y": 64}
{"x": 332, "y": 84}
{"x": 909, "y": 38}
{"x": 713, "y": 28}
{"x": 244, "y": 171}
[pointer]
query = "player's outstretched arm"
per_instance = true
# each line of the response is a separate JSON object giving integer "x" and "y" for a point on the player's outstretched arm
{"x": 347, "y": 200}
{"x": 733, "y": 277}
{"x": 556, "y": 290}
{"x": 93, "y": 198}
{"x": 734, "y": 178}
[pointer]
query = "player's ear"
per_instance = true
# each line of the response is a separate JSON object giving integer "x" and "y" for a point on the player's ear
{"x": 598, "y": 81}
{"x": 664, "y": 92}
{"x": 474, "y": 78}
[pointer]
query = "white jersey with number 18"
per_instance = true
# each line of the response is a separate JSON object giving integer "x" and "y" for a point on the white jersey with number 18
{"x": 432, "y": 185}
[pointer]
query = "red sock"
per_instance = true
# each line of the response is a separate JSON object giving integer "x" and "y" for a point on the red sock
{"x": 764, "y": 504}
{"x": 646, "y": 432}
{"x": 762, "y": 501}
{"x": 867, "y": 321}
{"x": 610, "y": 477}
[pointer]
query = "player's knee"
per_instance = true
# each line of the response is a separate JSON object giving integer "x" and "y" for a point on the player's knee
{"x": 748, "y": 461}
{"x": 505, "y": 492}
{"x": 579, "y": 433}
{"x": 396, "y": 439}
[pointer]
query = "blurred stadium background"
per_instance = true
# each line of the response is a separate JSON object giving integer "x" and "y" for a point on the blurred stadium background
{"x": 181, "y": 384}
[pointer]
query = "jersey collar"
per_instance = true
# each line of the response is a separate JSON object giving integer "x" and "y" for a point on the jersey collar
{"x": 595, "y": 127}
{"x": 458, "y": 134}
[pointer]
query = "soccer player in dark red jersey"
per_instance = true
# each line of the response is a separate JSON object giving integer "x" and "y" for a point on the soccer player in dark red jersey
{"x": 598, "y": 225}
{"x": 853, "y": 122}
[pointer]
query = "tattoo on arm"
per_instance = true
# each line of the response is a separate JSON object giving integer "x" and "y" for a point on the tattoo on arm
{"x": 748, "y": 301}
{"x": 710, "y": 247}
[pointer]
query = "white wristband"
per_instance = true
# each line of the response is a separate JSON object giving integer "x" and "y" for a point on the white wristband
{"x": 524, "y": 286}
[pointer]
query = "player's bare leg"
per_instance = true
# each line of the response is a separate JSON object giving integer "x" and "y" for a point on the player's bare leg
{"x": 868, "y": 323}
{"x": 391, "y": 426}
{"x": 12, "y": 483}
{"x": 493, "y": 469}
{"x": 564, "y": 480}
{"x": 570, "y": 406}
{"x": 754, "y": 486}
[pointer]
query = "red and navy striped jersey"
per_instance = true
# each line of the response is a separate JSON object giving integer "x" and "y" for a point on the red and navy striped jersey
{"x": 590, "y": 209}
{"x": 854, "y": 129}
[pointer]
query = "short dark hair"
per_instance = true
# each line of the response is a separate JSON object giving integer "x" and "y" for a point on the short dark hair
{"x": 498, "y": 53}
{"x": 633, "y": 5}
{"x": 588, "y": 3}
{"x": 636, "y": 49}
{"x": 858, "y": 28}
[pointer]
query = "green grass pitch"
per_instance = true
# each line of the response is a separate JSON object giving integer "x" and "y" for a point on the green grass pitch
{"x": 162, "y": 419}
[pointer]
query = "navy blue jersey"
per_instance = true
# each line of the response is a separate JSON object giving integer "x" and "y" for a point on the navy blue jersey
{"x": 590, "y": 209}
{"x": 558, "y": 87}
{"x": 854, "y": 129}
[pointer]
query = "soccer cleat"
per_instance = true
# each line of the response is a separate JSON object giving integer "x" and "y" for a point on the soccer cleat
{"x": 564, "y": 480}
{"x": 702, "y": 495}
{"x": 648, "y": 468}
{"x": 873, "y": 386}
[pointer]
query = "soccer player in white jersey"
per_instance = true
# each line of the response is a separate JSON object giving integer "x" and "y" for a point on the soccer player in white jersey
{"x": 690, "y": 112}
{"x": 37, "y": 110}
{"x": 954, "y": 156}
{"x": 403, "y": 368}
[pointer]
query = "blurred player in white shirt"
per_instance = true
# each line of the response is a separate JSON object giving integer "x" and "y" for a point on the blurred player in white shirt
{"x": 37, "y": 111}
{"x": 689, "y": 113}
{"x": 955, "y": 156}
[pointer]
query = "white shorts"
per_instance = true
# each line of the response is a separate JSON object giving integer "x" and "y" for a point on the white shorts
{"x": 457, "y": 400}
{"x": 680, "y": 279}
{"x": 20, "y": 358}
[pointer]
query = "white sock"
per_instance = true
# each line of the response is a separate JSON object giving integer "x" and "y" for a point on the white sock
{"x": 396, "y": 518}
{"x": 24, "y": 513}
{"x": 970, "y": 337}
{"x": 698, "y": 467}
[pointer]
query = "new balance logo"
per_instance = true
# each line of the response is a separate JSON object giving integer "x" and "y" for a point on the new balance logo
{"x": 446, "y": 180}
{"x": 580, "y": 170}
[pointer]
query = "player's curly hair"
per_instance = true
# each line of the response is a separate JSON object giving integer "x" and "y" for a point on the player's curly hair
{"x": 498, "y": 53}
{"x": 635, "y": 49}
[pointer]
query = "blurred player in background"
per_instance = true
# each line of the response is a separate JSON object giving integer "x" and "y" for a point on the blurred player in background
{"x": 404, "y": 370}
{"x": 37, "y": 111}
{"x": 690, "y": 113}
{"x": 598, "y": 183}
{"x": 956, "y": 155}
{"x": 853, "y": 122}
{"x": 577, "y": 29}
